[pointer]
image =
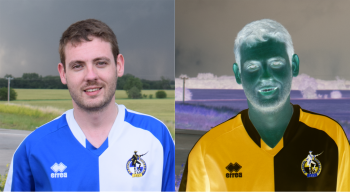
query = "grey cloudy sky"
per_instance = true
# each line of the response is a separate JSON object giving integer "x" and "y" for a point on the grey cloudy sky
{"x": 206, "y": 30}
{"x": 30, "y": 33}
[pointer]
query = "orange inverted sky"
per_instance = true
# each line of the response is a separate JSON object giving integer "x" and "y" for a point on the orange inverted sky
{"x": 205, "y": 32}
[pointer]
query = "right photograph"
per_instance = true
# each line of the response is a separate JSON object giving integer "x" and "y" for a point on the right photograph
{"x": 262, "y": 95}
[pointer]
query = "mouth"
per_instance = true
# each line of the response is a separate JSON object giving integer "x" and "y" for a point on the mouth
{"x": 92, "y": 89}
{"x": 267, "y": 90}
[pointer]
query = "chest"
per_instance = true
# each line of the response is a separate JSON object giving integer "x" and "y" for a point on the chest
{"x": 64, "y": 164}
{"x": 238, "y": 163}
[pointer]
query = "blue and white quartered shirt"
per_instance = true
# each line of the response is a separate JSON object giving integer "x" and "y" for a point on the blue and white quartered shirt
{"x": 139, "y": 154}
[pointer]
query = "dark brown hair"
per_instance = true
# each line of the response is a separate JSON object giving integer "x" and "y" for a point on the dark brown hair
{"x": 81, "y": 30}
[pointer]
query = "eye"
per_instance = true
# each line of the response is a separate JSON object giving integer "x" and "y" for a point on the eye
{"x": 77, "y": 66}
{"x": 101, "y": 63}
{"x": 252, "y": 67}
{"x": 276, "y": 64}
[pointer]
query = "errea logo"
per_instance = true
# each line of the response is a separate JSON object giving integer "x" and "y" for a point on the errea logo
{"x": 233, "y": 167}
{"x": 58, "y": 168}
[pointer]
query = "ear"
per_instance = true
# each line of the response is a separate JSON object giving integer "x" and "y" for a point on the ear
{"x": 237, "y": 73}
{"x": 295, "y": 65}
{"x": 120, "y": 65}
{"x": 62, "y": 73}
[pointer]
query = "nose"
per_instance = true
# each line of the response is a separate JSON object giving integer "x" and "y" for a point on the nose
{"x": 266, "y": 73}
{"x": 90, "y": 73}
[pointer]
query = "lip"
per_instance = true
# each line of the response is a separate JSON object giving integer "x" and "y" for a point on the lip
{"x": 269, "y": 90}
{"x": 91, "y": 91}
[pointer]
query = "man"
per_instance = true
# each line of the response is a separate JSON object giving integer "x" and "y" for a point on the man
{"x": 264, "y": 147}
{"x": 89, "y": 147}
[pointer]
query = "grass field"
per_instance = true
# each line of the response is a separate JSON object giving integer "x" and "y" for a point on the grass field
{"x": 53, "y": 102}
{"x": 63, "y": 94}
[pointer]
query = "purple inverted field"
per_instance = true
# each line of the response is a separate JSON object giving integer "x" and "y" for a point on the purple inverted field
{"x": 210, "y": 107}
{"x": 201, "y": 117}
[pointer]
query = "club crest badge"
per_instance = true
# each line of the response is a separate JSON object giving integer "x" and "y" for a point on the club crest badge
{"x": 136, "y": 166}
{"x": 311, "y": 166}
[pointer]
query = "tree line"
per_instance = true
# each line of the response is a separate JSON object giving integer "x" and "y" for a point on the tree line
{"x": 126, "y": 82}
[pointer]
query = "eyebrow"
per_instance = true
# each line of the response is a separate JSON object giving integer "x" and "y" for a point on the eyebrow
{"x": 276, "y": 58}
{"x": 101, "y": 58}
{"x": 251, "y": 61}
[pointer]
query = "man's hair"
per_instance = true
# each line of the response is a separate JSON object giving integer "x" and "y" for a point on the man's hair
{"x": 261, "y": 31}
{"x": 81, "y": 30}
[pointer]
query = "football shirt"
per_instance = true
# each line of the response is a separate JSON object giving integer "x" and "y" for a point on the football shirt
{"x": 137, "y": 155}
{"x": 313, "y": 154}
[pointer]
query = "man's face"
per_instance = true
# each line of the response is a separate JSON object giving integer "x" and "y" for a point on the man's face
{"x": 266, "y": 74}
{"x": 91, "y": 73}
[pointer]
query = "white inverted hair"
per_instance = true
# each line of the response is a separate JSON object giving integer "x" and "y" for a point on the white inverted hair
{"x": 261, "y": 31}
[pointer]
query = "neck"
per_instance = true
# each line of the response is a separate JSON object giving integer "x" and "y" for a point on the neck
{"x": 271, "y": 124}
{"x": 96, "y": 125}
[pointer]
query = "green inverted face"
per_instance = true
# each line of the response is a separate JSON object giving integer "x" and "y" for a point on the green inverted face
{"x": 266, "y": 74}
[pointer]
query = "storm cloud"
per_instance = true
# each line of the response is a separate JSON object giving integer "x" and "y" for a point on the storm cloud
{"x": 30, "y": 33}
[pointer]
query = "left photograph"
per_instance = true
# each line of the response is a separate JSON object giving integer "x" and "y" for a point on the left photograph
{"x": 87, "y": 96}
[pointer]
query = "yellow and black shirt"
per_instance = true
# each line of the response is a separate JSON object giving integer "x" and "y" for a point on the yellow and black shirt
{"x": 314, "y": 154}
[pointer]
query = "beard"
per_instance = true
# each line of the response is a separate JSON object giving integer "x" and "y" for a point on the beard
{"x": 271, "y": 105}
{"x": 94, "y": 106}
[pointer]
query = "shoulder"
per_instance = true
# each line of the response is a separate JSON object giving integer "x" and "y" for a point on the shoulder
{"x": 318, "y": 121}
{"x": 44, "y": 131}
{"x": 322, "y": 123}
{"x": 218, "y": 132}
{"x": 142, "y": 120}
{"x": 148, "y": 123}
